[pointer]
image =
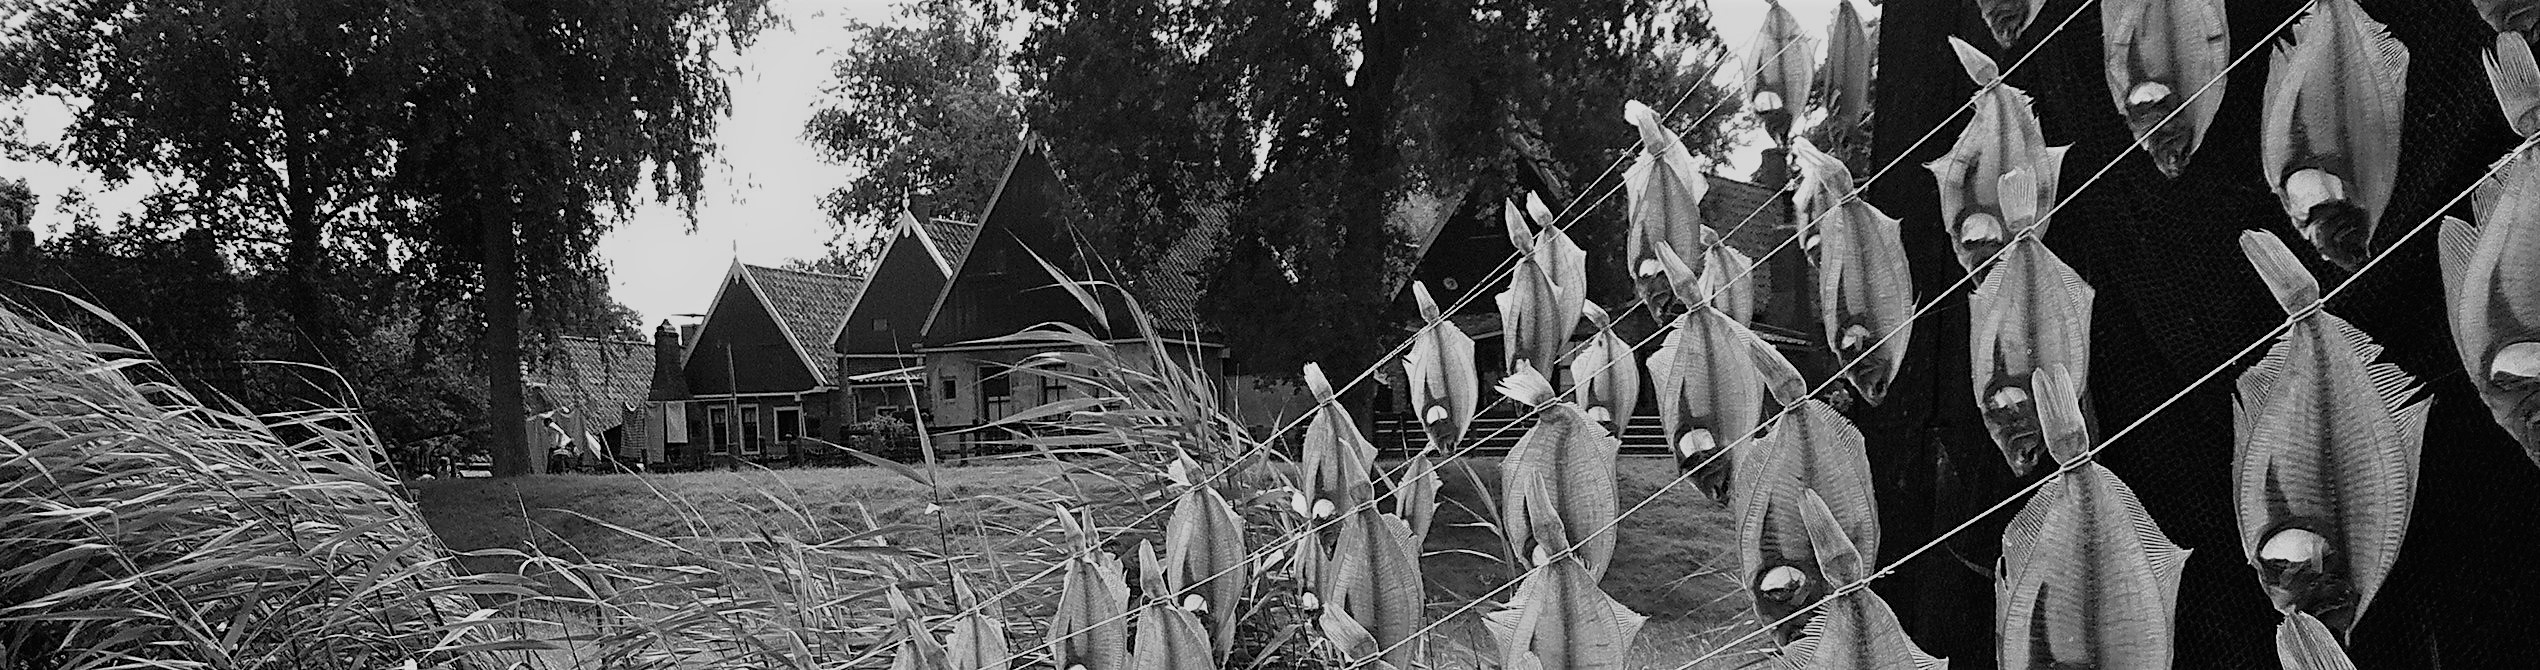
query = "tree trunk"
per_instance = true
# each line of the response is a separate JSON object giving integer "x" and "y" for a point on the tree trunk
{"x": 504, "y": 408}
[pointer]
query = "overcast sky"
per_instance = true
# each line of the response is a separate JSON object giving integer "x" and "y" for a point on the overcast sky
{"x": 762, "y": 198}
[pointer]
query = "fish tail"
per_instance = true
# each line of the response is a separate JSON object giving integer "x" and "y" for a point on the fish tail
{"x": 1980, "y": 67}
{"x": 2515, "y": 75}
{"x": 2292, "y": 284}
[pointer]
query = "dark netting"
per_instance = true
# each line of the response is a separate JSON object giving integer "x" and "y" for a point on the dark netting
{"x": 2176, "y": 298}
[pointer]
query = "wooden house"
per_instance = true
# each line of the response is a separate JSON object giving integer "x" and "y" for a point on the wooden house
{"x": 998, "y": 289}
{"x": 878, "y": 350}
{"x": 762, "y": 372}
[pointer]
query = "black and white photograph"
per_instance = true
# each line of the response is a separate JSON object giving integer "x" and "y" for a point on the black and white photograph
{"x": 1269, "y": 334}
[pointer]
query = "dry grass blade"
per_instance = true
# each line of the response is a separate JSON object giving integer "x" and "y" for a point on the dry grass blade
{"x": 146, "y": 529}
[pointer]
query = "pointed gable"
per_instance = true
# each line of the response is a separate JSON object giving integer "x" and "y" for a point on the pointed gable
{"x": 888, "y": 317}
{"x": 770, "y": 328}
{"x": 999, "y": 289}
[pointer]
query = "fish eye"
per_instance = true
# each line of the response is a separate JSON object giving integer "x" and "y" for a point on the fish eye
{"x": 1782, "y": 583}
{"x": 2309, "y": 187}
{"x": 2007, "y": 398}
{"x": 1980, "y": 228}
{"x": 1855, "y": 337}
{"x": 1436, "y": 414}
{"x": 2147, "y": 93}
{"x": 1767, "y": 101}
{"x": 2516, "y": 367}
{"x": 1696, "y": 441}
{"x": 1649, "y": 267}
{"x": 2294, "y": 549}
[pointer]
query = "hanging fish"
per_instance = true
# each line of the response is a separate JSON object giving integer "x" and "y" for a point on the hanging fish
{"x": 1844, "y": 88}
{"x": 977, "y": 641}
{"x": 1572, "y": 459}
{"x": 1204, "y": 554}
{"x": 1782, "y": 62}
{"x": 1865, "y": 290}
{"x": 1856, "y": 630}
{"x": 2509, "y": 16}
{"x": 2032, "y": 311}
{"x": 1546, "y": 292}
{"x": 2088, "y": 580}
{"x": 1606, "y": 374}
{"x": 1811, "y": 448}
{"x": 1375, "y": 579}
{"x": 2516, "y": 79}
{"x": 2327, "y": 459}
{"x": 1664, "y": 190}
{"x": 1168, "y": 636}
{"x": 1710, "y": 386}
{"x": 1731, "y": 278}
{"x": 2491, "y": 271}
{"x": 2329, "y": 137}
{"x": 1415, "y": 496}
{"x": 1090, "y": 627}
{"x": 2009, "y": 18}
{"x": 1559, "y": 618}
{"x": 1337, "y": 458}
{"x": 1445, "y": 386}
{"x": 2159, "y": 54}
{"x": 2002, "y": 136}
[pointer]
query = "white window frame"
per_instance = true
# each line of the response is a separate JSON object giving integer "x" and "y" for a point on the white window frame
{"x": 718, "y": 435}
{"x": 797, "y": 411}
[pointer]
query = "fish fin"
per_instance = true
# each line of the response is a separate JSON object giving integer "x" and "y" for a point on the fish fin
{"x": 2168, "y": 560}
{"x": 2389, "y": 57}
{"x": 2515, "y": 76}
{"x": 2513, "y": 169}
{"x": 2077, "y": 291}
{"x": 2276, "y": 113}
{"x": 2458, "y": 243}
{"x": 1837, "y": 558}
{"x": 1519, "y": 233}
{"x": 1801, "y": 653}
{"x": 2303, "y": 643}
{"x": 1654, "y": 136}
{"x": 1526, "y": 385}
{"x": 2295, "y": 290}
{"x": 2018, "y": 193}
{"x": 1980, "y": 68}
{"x": 1688, "y": 282}
{"x": 1536, "y": 208}
{"x": 2058, "y": 398}
{"x": 1319, "y": 384}
{"x": 2258, "y": 382}
{"x": 1428, "y": 305}
{"x": 1781, "y": 379}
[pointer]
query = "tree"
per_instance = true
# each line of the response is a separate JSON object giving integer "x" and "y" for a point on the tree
{"x": 921, "y": 112}
{"x": 271, "y": 124}
{"x": 1315, "y": 123}
{"x": 539, "y": 125}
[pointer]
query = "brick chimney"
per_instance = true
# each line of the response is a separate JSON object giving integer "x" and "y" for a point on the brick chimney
{"x": 17, "y": 216}
{"x": 670, "y": 381}
{"x": 1773, "y": 171}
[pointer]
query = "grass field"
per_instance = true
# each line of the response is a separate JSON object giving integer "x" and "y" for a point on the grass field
{"x": 1673, "y": 562}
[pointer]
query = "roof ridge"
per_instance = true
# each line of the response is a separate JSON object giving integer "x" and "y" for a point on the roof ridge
{"x": 815, "y": 273}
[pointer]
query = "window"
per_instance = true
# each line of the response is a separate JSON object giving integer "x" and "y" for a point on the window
{"x": 951, "y": 388}
{"x": 1052, "y": 388}
{"x": 750, "y": 434}
{"x": 789, "y": 424}
{"x": 718, "y": 429}
{"x": 996, "y": 391}
{"x": 881, "y": 325}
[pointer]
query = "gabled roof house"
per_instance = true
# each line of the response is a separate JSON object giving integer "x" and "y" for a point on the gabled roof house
{"x": 999, "y": 289}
